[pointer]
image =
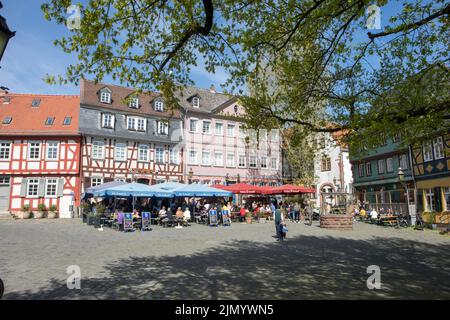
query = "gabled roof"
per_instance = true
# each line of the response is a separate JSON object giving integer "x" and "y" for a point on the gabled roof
{"x": 209, "y": 101}
{"x": 28, "y": 120}
{"x": 89, "y": 96}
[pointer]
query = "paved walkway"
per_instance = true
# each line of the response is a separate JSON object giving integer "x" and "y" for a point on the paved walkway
{"x": 237, "y": 262}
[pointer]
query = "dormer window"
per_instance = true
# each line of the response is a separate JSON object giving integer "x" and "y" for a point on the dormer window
{"x": 134, "y": 102}
{"x": 159, "y": 105}
{"x": 35, "y": 103}
{"x": 6, "y": 100}
{"x": 105, "y": 95}
{"x": 196, "y": 102}
{"x": 7, "y": 120}
{"x": 49, "y": 121}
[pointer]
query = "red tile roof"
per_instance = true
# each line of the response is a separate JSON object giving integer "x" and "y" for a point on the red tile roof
{"x": 28, "y": 120}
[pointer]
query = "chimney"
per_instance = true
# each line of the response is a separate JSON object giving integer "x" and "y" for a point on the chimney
{"x": 212, "y": 88}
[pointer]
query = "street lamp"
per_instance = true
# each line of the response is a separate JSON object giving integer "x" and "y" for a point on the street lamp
{"x": 238, "y": 178}
{"x": 5, "y": 34}
{"x": 401, "y": 179}
{"x": 191, "y": 174}
{"x": 227, "y": 179}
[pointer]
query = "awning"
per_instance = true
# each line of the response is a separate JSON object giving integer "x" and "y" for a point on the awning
{"x": 134, "y": 189}
{"x": 291, "y": 189}
{"x": 90, "y": 191}
{"x": 243, "y": 188}
{"x": 199, "y": 190}
{"x": 433, "y": 183}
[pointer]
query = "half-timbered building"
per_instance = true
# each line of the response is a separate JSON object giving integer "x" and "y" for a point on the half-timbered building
{"x": 39, "y": 152}
{"x": 128, "y": 136}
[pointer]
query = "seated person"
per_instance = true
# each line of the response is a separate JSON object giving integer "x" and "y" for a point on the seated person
{"x": 374, "y": 215}
{"x": 186, "y": 216}
{"x": 162, "y": 213}
{"x": 179, "y": 214}
{"x": 136, "y": 214}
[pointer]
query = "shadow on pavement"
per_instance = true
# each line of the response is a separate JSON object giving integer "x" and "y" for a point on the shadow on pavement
{"x": 305, "y": 267}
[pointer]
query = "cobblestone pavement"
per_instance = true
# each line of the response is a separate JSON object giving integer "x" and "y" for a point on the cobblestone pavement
{"x": 237, "y": 262}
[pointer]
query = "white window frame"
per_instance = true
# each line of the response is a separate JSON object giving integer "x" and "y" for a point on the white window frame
{"x": 389, "y": 165}
{"x": 231, "y": 164}
{"x": 30, "y": 148}
{"x": 193, "y": 156}
{"x": 5, "y": 148}
{"x": 429, "y": 196}
{"x": 53, "y": 182}
{"x": 173, "y": 155}
{"x": 216, "y": 164}
{"x": 108, "y": 120}
{"x": 142, "y": 147}
{"x": 208, "y": 152}
{"x": 98, "y": 149}
{"x": 221, "y": 129}
{"x": 361, "y": 170}
{"x": 403, "y": 161}
{"x": 52, "y": 145}
{"x": 159, "y": 154}
{"x": 274, "y": 163}
{"x": 196, "y": 102}
{"x": 253, "y": 164}
{"x": 162, "y": 128}
{"x": 438, "y": 148}
{"x": 105, "y": 97}
{"x": 209, "y": 127}
{"x": 263, "y": 162}
{"x": 368, "y": 169}
{"x": 159, "y": 106}
{"x": 35, "y": 183}
{"x": 428, "y": 151}
{"x": 141, "y": 124}
{"x": 381, "y": 168}
{"x": 120, "y": 151}
{"x": 134, "y": 102}
{"x": 98, "y": 181}
{"x": 190, "y": 125}
{"x": 131, "y": 123}
{"x": 240, "y": 157}
{"x": 234, "y": 130}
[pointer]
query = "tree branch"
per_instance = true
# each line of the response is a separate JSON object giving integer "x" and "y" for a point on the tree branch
{"x": 444, "y": 11}
{"x": 192, "y": 31}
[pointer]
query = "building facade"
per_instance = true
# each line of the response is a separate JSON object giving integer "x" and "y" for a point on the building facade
{"x": 218, "y": 148}
{"x": 39, "y": 152}
{"x": 376, "y": 176}
{"x": 431, "y": 167}
{"x": 332, "y": 168}
{"x": 128, "y": 136}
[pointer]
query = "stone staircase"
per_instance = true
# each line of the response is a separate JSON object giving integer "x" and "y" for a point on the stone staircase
{"x": 5, "y": 215}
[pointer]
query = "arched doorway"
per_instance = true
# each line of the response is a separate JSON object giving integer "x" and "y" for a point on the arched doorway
{"x": 324, "y": 190}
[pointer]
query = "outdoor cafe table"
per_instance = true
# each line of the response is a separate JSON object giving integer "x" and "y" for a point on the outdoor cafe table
{"x": 388, "y": 219}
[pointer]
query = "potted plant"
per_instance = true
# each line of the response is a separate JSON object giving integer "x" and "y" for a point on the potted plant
{"x": 99, "y": 212}
{"x": 52, "y": 212}
{"x": 90, "y": 218}
{"x": 262, "y": 217}
{"x": 25, "y": 213}
{"x": 248, "y": 217}
{"x": 85, "y": 210}
{"x": 40, "y": 212}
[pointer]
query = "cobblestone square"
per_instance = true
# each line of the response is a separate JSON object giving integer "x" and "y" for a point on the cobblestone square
{"x": 238, "y": 262}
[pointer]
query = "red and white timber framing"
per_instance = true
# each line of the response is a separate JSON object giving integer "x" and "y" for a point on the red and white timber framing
{"x": 65, "y": 168}
{"x": 109, "y": 169}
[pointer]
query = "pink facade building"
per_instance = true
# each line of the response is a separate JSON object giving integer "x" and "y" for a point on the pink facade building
{"x": 218, "y": 149}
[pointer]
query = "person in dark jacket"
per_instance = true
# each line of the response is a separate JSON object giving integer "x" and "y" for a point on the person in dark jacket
{"x": 279, "y": 219}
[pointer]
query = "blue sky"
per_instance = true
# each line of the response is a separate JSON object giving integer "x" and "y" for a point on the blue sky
{"x": 30, "y": 55}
